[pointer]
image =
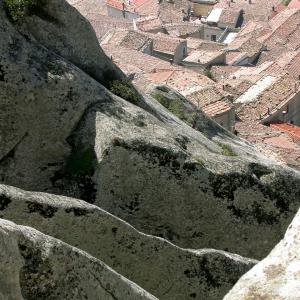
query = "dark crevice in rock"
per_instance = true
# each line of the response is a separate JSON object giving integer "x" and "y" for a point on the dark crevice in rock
{"x": 77, "y": 211}
{"x": 75, "y": 178}
{"x": 46, "y": 211}
{"x": 4, "y": 202}
{"x": 2, "y": 77}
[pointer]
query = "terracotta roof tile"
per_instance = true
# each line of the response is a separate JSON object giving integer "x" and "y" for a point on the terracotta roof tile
{"x": 292, "y": 130}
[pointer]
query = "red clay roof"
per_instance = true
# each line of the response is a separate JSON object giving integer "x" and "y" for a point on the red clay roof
{"x": 292, "y": 130}
{"x": 216, "y": 108}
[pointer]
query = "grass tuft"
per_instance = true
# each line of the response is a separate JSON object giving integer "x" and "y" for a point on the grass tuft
{"x": 226, "y": 149}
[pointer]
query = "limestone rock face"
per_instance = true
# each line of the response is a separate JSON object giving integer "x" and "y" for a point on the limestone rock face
{"x": 36, "y": 266}
{"x": 158, "y": 266}
{"x": 60, "y": 28}
{"x": 278, "y": 275}
{"x": 63, "y": 132}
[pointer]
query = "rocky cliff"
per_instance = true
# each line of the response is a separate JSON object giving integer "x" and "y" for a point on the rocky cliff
{"x": 278, "y": 275}
{"x": 36, "y": 266}
{"x": 165, "y": 270}
{"x": 71, "y": 124}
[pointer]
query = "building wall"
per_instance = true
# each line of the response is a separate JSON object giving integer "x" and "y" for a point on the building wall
{"x": 114, "y": 12}
{"x": 164, "y": 56}
{"x": 177, "y": 57}
{"x": 209, "y": 31}
{"x": 148, "y": 49}
{"x": 293, "y": 114}
{"x": 226, "y": 120}
{"x": 180, "y": 52}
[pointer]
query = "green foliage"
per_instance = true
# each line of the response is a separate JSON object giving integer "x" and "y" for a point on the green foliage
{"x": 81, "y": 162}
{"x": 125, "y": 90}
{"x": 18, "y": 9}
{"x": 226, "y": 149}
{"x": 176, "y": 107}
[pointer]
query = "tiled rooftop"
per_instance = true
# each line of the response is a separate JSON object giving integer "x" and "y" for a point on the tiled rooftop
{"x": 199, "y": 44}
{"x": 127, "y": 59}
{"x": 230, "y": 15}
{"x": 272, "y": 98}
{"x": 285, "y": 31}
{"x": 212, "y": 100}
{"x": 135, "y": 40}
{"x": 258, "y": 10}
{"x": 164, "y": 43}
{"x": 271, "y": 141}
{"x": 292, "y": 130}
{"x": 182, "y": 80}
{"x": 203, "y": 56}
{"x": 149, "y": 23}
{"x": 294, "y": 4}
{"x": 182, "y": 29}
{"x": 89, "y": 8}
{"x": 218, "y": 108}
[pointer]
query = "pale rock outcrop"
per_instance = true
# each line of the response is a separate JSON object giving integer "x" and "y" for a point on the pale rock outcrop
{"x": 61, "y": 131}
{"x": 277, "y": 277}
{"x": 37, "y": 266}
{"x": 60, "y": 28}
{"x": 163, "y": 269}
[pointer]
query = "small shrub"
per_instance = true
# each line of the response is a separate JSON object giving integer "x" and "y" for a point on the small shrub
{"x": 226, "y": 149}
{"x": 18, "y": 9}
{"x": 125, "y": 90}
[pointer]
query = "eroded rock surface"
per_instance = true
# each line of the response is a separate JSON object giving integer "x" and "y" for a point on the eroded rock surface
{"x": 161, "y": 268}
{"x": 62, "y": 132}
{"x": 36, "y": 266}
{"x": 278, "y": 275}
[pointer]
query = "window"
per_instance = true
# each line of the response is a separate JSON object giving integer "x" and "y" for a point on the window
{"x": 213, "y": 37}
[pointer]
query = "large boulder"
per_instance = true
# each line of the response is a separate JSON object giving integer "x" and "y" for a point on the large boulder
{"x": 60, "y": 28}
{"x": 158, "y": 266}
{"x": 278, "y": 275}
{"x": 37, "y": 266}
{"x": 63, "y": 132}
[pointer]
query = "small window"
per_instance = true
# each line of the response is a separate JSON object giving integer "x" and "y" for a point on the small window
{"x": 213, "y": 37}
